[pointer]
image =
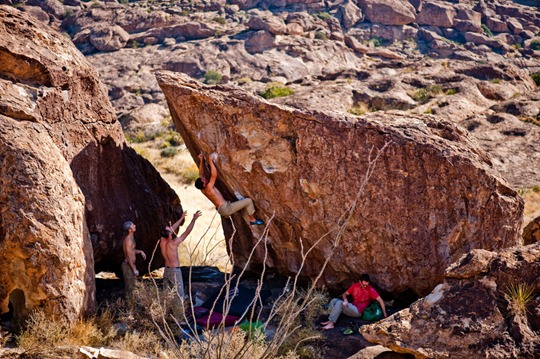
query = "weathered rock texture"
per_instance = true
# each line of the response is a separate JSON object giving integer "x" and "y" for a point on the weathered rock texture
{"x": 59, "y": 127}
{"x": 469, "y": 316}
{"x": 433, "y": 195}
{"x": 44, "y": 244}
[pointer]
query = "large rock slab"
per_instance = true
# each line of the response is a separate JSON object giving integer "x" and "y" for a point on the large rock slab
{"x": 45, "y": 249}
{"x": 469, "y": 313}
{"x": 51, "y": 96}
{"x": 432, "y": 196}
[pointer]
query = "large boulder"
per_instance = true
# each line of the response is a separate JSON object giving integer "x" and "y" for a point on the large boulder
{"x": 388, "y": 12}
{"x": 45, "y": 250}
{"x": 474, "y": 313}
{"x": 431, "y": 197}
{"x": 50, "y": 96}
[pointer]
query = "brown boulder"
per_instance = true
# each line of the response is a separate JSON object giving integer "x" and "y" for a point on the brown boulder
{"x": 45, "y": 250}
{"x": 108, "y": 38}
{"x": 46, "y": 83}
{"x": 432, "y": 196}
{"x": 470, "y": 312}
{"x": 388, "y": 12}
{"x": 437, "y": 14}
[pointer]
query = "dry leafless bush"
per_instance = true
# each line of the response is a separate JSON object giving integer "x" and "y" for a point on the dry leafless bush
{"x": 285, "y": 312}
{"x": 43, "y": 332}
{"x": 153, "y": 319}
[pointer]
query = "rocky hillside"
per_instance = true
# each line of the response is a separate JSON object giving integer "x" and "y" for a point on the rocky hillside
{"x": 472, "y": 62}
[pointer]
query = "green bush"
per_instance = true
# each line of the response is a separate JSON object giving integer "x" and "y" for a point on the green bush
{"x": 357, "y": 110}
{"x": 536, "y": 78}
{"x": 212, "y": 77}
{"x": 219, "y": 20}
{"x": 173, "y": 138}
{"x": 376, "y": 41}
{"x": 535, "y": 45}
{"x": 319, "y": 35}
{"x": 138, "y": 137}
{"x": 276, "y": 91}
{"x": 420, "y": 95}
{"x": 168, "y": 152}
{"x": 486, "y": 30}
{"x": 322, "y": 15}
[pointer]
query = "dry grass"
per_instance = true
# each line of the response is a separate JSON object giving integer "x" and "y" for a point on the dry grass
{"x": 145, "y": 343}
{"x": 532, "y": 204}
{"x": 44, "y": 332}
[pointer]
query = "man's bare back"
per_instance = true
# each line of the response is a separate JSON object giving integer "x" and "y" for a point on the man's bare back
{"x": 169, "y": 245}
{"x": 214, "y": 195}
{"x": 169, "y": 250}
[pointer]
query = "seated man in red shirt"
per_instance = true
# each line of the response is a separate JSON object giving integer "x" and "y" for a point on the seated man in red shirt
{"x": 362, "y": 293}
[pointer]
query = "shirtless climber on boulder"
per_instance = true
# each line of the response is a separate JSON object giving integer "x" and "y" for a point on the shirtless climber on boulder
{"x": 224, "y": 208}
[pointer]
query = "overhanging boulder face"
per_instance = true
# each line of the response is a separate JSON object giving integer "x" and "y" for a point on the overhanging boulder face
{"x": 432, "y": 196}
{"x": 60, "y": 138}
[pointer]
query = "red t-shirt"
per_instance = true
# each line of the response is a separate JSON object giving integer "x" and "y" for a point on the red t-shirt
{"x": 362, "y": 296}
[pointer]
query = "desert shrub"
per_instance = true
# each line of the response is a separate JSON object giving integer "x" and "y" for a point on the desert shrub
{"x": 450, "y": 91}
{"x": 321, "y": 15}
{"x": 212, "y": 77}
{"x": 43, "y": 331}
{"x": 420, "y": 95}
{"x": 143, "y": 343}
{"x": 535, "y": 188}
{"x": 143, "y": 152}
{"x": 424, "y": 94}
{"x": 168, "y": 152}
{"x": 518, "y": 296}
{"x": 535, "y": 44}
{"x": 274, "y": 91}
{"x": 495, "y": 81}
{"x": 486, "y": 30}
{"x": 536, "y": 78}
{"x": 189, "y": 173}
{"x": 376, "y": 41}
{"x": 140, "y": 136}
{"x": 244, "y": 80}
{"x": 300, "y": 314}
{"x": 173, "y": 138}
{"x": 357, "y": 111}
{"x": 319, "y": 35}
{"x": 219, "y": 20}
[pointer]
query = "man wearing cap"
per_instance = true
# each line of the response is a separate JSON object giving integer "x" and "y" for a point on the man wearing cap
{"x": 129, "y": 270}
{"x": 172, "y": 276}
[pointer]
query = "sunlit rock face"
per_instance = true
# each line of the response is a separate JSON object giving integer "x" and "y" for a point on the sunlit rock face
{"x": 432, "y": 195}
{"x": 68, "y": 181}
